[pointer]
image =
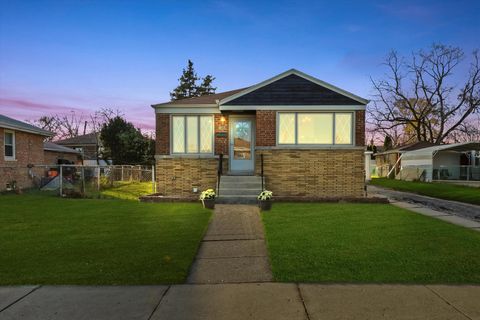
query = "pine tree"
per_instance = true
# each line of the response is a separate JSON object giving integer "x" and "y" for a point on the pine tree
{"x": 206, "y": 86}
{"x": 387, "y": 143}
{"x": 187, "y": 87}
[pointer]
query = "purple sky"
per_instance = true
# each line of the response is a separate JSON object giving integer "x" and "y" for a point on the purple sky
{"x": 58, "y": 56}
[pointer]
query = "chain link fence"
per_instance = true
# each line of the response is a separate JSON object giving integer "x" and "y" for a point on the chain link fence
{"x": 94, "y": 181}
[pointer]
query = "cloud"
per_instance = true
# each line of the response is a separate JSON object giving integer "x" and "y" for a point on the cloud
{"x": 28, "y": 105}
{"x": 26, "y": 109}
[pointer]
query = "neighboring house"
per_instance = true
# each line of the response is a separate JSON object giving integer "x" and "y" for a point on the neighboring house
{"x": 89, "y": 145}
{"x": 457, "y": 161}
{"x": 55, "y": 153}
{"x": 309, "y": 133}
{"x": 387, "y": 160}
{"x": 22, "y": 146}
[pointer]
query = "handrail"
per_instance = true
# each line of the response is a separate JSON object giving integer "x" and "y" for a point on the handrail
{"x": 261, "y": 168}
{"x": 219, "y": 172}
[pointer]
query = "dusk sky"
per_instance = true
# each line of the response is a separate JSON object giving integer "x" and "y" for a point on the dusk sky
{"x": 57, "y": 56}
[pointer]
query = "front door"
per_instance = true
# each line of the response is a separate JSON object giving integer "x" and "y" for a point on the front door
{"x": 242, "y": 141}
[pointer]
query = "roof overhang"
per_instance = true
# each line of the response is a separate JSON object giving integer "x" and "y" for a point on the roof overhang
{"x": 187, "y": 105}
{"x": 455, "y": 147}
{"x": 294, "y": 108}
{"x": 188, "y": 109}
{"x": 18, "y": 128}
{"x": 61, "y": 150}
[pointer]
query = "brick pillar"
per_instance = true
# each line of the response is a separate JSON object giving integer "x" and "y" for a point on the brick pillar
{"x": 162, "y": 141}
{"x": 265, "y": 128}
{"x": 221, "y": 134}
{"x": 360, "y": 128}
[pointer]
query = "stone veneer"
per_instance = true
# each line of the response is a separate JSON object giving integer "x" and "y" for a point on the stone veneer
{"x": 313, "y": 173}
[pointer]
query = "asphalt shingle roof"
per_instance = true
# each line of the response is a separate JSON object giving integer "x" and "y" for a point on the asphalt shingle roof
{"x": 10, "y": 123}
{"x": 208, "y": 99}
{"x": 50, "y": 146}
{"x": 89, "y": 138}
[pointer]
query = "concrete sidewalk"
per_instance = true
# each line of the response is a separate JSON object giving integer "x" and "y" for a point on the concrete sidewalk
{"x": 241, "y": 301}
{"x": 233, "y": 249}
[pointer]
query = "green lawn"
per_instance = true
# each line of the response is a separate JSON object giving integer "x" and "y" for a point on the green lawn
{"x": 436, "y": 190}
{"x": 128, "y": 190}
{"x": 49, "y": 240}
{"x": 376, "y": 243}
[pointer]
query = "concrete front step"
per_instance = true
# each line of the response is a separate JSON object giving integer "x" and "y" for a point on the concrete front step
{"x": 236, "y": 199}
{"x": 240, "y": 185}
{"x": 242, "y": 191}
{"x": 239, "y": 189}
{"x": 241, "y": 178}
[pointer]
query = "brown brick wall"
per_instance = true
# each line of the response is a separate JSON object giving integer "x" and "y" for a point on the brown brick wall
{"x": 360, "y": 128}
{"x": 177, "y": 176}
{"x": 265, "y": 128}
{"x": 28, "y": 150}
{"x": 221, "y": 134}
{"x": 313, "y": 173}
{"x": 162, "y": 140}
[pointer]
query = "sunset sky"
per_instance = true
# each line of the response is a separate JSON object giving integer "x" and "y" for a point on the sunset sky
{"x": 58, "y": 56}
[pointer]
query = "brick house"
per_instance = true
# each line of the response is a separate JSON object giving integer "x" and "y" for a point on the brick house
{"x": 22, "y": 145}
{"x": 54, "y": 152}
{"x": 89, "y": 145}
{"x": 310, "y": 135}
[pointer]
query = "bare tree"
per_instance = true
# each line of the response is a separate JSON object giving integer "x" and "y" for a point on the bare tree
{"x": 468, "y": 130}
{"x": 103, "y": 116}
{"x": 418, "y": 97}
{"x": 73, "y": 124}
{"x": 49, "y": 123}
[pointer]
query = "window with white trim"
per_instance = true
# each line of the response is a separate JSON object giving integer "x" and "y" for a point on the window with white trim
{"x": 9, "y": 144}
{"x": 192, "y": 134}
{"x": 315, "y": 128}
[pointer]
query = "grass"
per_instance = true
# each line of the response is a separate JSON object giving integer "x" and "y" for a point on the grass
{"x": 50, "y": 240}
{"x": 436, "y": 190}
{"x": 375, "y": 243}
{"x": 128, "y": 190}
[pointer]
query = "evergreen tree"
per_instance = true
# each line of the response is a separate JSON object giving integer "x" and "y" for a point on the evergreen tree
{"x": 387, "y": 143}
{"x": 206, "y": 86}
{"x": 188, "y": 87}
{"x": 125, "y": 144}
{"x": 372, "y": 147}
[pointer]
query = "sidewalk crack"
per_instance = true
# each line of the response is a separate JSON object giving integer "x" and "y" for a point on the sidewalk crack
{"x": 303, "y": 301}
{"x": 158, "y": 304}
{"x": 447, "y": 302}
{"x": 25, "y": 295}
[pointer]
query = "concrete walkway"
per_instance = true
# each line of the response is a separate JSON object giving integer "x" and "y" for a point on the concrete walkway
{"x": 233, "y": 249}
{"x": 241, "y": 301}
{"x": 449, "y": 211}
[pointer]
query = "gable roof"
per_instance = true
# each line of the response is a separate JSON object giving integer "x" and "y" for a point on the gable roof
{"x": 50, "y": 146}
{"x": 86, "y": 139}
{"x": 226, "y": 98}
{"x": 13, "y": 124}
{"x": 293, "y": 73}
